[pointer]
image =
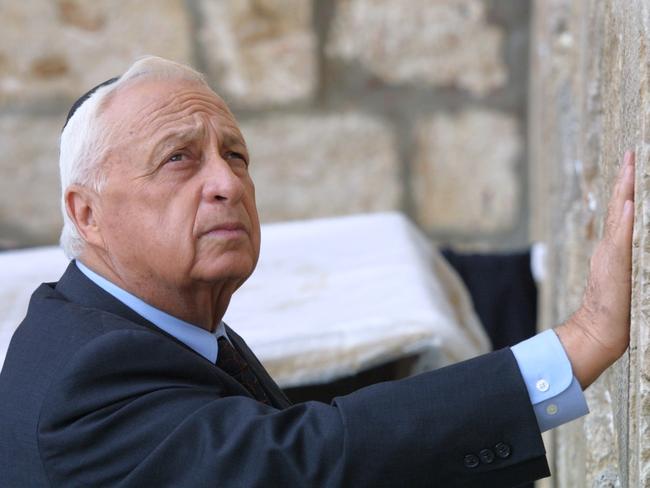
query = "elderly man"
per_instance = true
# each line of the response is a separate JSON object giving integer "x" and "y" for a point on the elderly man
{"x": 123, "y": 374}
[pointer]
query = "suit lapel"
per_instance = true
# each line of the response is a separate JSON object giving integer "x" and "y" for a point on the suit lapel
{"x": 76, "y": 287}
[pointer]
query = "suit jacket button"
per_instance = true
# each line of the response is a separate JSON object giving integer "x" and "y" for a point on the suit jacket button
{"x": 471, "y": 461}
{"x": 486, "y": 455}
{"x": 503, "y": 450}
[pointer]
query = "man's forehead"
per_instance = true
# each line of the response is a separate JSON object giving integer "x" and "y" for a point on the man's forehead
{"x": 173, "y": 94}
{"x": 192, "y": 129}
{"x": 156, "y": 105}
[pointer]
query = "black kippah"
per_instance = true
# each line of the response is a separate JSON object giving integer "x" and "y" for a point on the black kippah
{"x": 85, "y": 97}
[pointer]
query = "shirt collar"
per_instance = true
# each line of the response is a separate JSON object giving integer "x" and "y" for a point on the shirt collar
{"x": 193, "y": 336}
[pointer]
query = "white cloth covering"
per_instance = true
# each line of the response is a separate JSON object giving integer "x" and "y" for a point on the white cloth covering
{"x": 330, "y": 297}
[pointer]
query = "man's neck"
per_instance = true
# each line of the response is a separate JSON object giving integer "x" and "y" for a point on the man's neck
{"x": 203, "y": 307}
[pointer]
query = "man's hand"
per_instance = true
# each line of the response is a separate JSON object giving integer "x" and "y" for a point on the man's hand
{"x": 598, "y": 333}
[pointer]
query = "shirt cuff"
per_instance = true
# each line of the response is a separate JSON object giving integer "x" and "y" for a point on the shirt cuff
{"x": 554, "y": 392}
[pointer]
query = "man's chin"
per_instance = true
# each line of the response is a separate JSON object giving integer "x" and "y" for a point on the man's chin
{"x": 236, "y": 270}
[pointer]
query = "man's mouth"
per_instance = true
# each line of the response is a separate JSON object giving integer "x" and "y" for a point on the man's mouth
{"x": 227, "y": 230}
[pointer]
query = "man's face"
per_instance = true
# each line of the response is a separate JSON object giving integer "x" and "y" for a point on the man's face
{"x": 178, "y": 208}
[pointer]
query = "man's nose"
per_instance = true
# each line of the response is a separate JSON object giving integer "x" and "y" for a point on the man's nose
{"x": 221, "y": 182}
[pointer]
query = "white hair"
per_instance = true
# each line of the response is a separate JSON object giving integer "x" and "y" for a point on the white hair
{"x": 85, "y": 142}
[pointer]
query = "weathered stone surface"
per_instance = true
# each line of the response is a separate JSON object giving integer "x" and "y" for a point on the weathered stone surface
{"x": 464, "y": 176}
{"x": 72, "y": 45}
{"x": 313, "y": 166}
{"x": 590, "y": 102}
{"x": 439, "y": 43}
{"x": 29, "y": 187}
{"x": 260, "y": 51}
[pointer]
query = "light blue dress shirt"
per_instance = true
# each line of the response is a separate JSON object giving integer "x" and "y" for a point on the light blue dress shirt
{"x": 554, "y": 392}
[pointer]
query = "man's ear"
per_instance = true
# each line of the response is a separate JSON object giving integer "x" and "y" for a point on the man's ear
{"x": 82, "y": 206}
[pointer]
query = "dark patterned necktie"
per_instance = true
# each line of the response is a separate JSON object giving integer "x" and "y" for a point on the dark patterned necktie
{"x": 230, "y": 361}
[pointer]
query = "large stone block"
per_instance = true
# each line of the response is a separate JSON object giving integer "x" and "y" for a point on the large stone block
{"x": 313, "y": 166}
{"x": 29, "y": 187}
{"x": 72, "y": 45}
{"x": 464, "y": 173}
{"x": 259, "y": 52}
{"x": 446, "y": 42}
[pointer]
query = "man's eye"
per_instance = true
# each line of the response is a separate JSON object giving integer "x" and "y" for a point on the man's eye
{"x": 174, "y": 158}
{"x": 236, "y": 156}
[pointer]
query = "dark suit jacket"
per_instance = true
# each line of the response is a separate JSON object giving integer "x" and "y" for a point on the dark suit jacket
{"x": 91, "y": 394}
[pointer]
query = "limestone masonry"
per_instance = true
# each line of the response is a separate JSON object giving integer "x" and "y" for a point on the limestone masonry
{"x": 590, "y": 100}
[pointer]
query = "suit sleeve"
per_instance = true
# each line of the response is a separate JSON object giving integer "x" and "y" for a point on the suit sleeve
{"x": 134, "y": 409}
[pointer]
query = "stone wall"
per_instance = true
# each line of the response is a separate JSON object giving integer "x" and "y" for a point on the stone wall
{"x": 590, "y": 87}
{"x": 348, "y": 105}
